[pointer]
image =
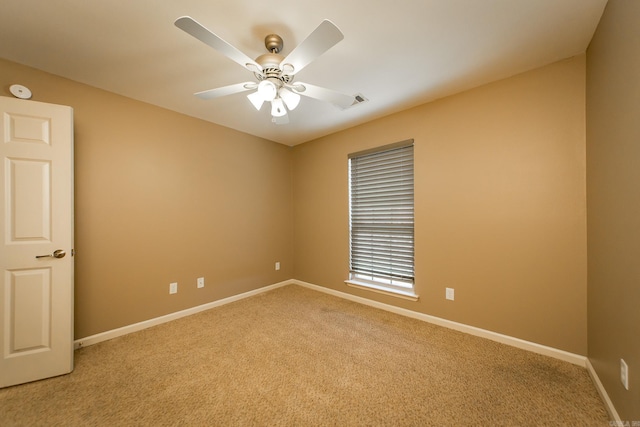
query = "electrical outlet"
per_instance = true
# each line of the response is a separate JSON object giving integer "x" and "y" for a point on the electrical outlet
{"x": 624, "y": 374}
{"x": 173, "y": 288}
{"x": 200, "y": 282}
{"x": 278, "y": 265}
{"x": 449, "y": 294}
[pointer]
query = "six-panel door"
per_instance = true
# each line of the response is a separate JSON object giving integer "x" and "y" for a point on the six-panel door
{"x": 36, "y": 192}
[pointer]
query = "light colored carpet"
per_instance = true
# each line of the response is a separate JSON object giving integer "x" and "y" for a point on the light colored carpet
{"x": 294, "y": 356}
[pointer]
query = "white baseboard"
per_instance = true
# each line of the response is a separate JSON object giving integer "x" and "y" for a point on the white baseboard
{"x": 603, "y": 393}
{"x": 576, "y": 359}
{"x": 472, "y": 330}
{"x": 104, "y": 336}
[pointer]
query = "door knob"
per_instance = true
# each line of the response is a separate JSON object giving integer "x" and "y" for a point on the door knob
{"x": 58, "y": 253}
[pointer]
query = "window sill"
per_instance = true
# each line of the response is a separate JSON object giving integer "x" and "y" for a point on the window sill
{"x": 383, "y": 290}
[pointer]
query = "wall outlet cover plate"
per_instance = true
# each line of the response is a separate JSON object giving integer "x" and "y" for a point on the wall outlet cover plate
{"x": 450, "y": 294}
{"x": 624, "y": 374}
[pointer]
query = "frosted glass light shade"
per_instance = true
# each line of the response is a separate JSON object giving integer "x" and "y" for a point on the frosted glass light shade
{"x": 290, "y": 99}
{"x": 277, "y": 108}
{"x": 268, "y": 90}
{"x": 256, "y": 99}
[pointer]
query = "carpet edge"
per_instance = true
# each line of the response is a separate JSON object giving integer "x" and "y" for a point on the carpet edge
{"x": 135, "y": 327}
{"x": 603, "y": 393}
{"x": 566, "y": 356}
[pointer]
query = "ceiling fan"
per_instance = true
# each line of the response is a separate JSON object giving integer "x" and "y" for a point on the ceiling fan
{"x": 274, "y": 73}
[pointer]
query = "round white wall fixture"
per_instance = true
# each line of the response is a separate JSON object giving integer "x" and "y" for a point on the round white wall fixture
{"x": 20, "y": 91}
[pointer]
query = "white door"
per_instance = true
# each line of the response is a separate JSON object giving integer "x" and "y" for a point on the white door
{"x": 36, "y": 222}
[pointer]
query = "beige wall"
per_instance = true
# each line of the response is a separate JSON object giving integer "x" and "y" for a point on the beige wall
{"x": 162, "y": 197}
{"x": 613, "y": 182}
{"x": 499, "y": 205}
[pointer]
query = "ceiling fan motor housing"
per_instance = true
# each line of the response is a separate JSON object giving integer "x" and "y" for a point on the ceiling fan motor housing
{"x": 270, "y": 63}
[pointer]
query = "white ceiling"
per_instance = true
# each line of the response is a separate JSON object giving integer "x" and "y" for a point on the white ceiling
{"x": 398, "y": 54}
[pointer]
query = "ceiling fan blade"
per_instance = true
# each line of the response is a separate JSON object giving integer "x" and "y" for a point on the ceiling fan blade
{"x": 340, "y": 99}
{"x": 226, "y": 90}
{"x": 197, "y": 30}
{"x": 324, "y": 37}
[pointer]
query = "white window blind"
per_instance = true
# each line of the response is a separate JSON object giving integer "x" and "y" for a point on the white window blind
{"x": 381, "y": 216}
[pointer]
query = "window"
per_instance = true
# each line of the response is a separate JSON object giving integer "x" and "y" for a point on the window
{"x": 381, "y": 220}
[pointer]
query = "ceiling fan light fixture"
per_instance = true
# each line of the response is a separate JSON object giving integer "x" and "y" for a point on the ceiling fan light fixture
{"x": 273, "y": 71}
{"x": 267, "y": 90}
{"x": 290, "y": 99}
{"x": 256, "y": 99}
{"x": 277, "y": 108}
